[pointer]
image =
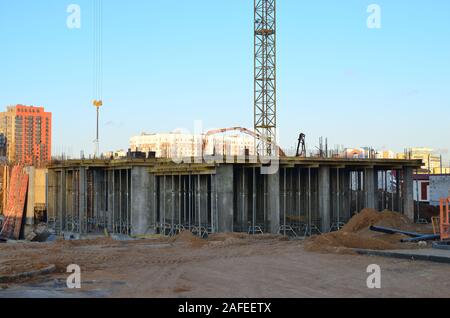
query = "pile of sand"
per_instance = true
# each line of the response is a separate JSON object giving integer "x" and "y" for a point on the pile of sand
{"x": 368, "y": 217}
{"x": 186, "y": 237}
{"x": 357, "y": 234}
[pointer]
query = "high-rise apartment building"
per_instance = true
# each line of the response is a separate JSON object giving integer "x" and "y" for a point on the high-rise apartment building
{"x": 28, "y": 132}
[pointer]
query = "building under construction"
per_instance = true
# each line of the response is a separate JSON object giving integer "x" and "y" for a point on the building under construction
{"x": 146, "y": 196}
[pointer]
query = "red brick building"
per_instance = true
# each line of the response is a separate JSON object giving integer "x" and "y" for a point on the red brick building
{"x": 28, "y": 132}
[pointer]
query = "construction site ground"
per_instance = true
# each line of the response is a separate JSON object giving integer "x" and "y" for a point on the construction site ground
{"x": 225, "y": 265}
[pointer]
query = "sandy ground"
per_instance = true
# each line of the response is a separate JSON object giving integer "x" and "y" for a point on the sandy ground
{"x": 225, "y": 266}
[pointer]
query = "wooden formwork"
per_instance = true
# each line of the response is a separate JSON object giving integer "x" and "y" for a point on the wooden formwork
{"x": 15, "y": 204}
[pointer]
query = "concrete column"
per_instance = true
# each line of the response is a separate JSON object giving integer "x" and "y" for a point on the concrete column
{"x": 97, "y": 194}
{"x": 52, "y": 195}
{"x": 110, "y": 199}
{"x": 225, "y": 192}
{"x": 141, "y": 201}
{"x": 408, "y": 192}
{"x": 370, "y": 188}
{"x": 82, "y": 201}
{"x": 273, "y": 202}
{"x": 325, "y": 198}
{"x": 203, "y": 200}
{"x": 31, "y": 195}
{"x": 152, "y": 202}
{"x": 242, "y": 206}
{"x": 62, "y": 200}
{"x": 345, "y": 198}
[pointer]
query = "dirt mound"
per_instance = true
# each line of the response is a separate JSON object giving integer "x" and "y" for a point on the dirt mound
{"x": 369, "y": 217}
{"x": 220, "y": 237}
{"x": 357, "y": 234}
{"x": 187, "y": 237}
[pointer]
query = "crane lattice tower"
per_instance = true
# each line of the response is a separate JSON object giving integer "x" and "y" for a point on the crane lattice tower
{"x": 265, "y": 107}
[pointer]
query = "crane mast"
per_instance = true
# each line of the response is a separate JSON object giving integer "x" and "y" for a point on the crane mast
{"x": 265, "y": 107}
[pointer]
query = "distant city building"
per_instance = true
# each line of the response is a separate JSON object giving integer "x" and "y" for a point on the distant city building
{"x": 28, "y": 132}
{"x": 179, "y": 145}
{"x": 385, "y": 154}
{"x": 118, "y": 154}
{"x": 355, "y": 153}
{"x": 431, "y": 161}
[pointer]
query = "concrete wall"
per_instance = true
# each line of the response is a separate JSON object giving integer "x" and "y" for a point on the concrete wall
{"x": 439, "y": 188}
{"x": 36, "y": 191}
{"x": 40, "y": 187}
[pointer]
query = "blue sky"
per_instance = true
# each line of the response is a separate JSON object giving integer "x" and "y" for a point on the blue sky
{"x": 169, "y": 63}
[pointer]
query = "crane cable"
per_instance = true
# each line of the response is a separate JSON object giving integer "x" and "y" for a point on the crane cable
{"x": 97, "y": 66}
{"x": 98, "y": 50}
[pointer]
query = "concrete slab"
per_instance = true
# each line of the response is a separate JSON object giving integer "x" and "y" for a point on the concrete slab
{"x": 429, "y": 254}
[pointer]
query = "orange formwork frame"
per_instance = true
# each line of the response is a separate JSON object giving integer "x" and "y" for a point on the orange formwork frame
{"x": 445, "y": 219}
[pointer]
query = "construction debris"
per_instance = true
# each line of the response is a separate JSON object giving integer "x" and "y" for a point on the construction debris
{"x": 413, "y": 236}
{"x": 44, "y": 270}
{"x": 39, "y": 234}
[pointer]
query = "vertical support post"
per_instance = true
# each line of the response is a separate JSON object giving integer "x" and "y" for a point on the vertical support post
{"x": 128, "y": 200}
{"x": 114, "y": 200}
{"x": 338, "y": 198}
{"x": 284, "y": 199}
{"x": 62, "y": 206}
{"x": 324, "y": 198}
{"x": 299, "y": 195}
{"x": 418, "y": 196}
{"x": 273, "y": 201}
{"x": 164, "y": 206}
{"x": 370, "y": 185}
{"x": 179, "y": 201}
{"x": 120, "y": 202}
{"x": 408, "y": 192}
{"x": 254, "y": 202}
{"x": 141, "y": 201}
{"x": 244, "y": 206}
{"x": 309, "y": 203}
{"x": 199, "y": 193}
{"x": 31, "y": 195}
{"x": 82, "y": 200}
{"x": 212, "y": 196}
{"x": 190, "y": 201}
{"x": 184, "y": 201}
{"x": 172, "y": 223}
